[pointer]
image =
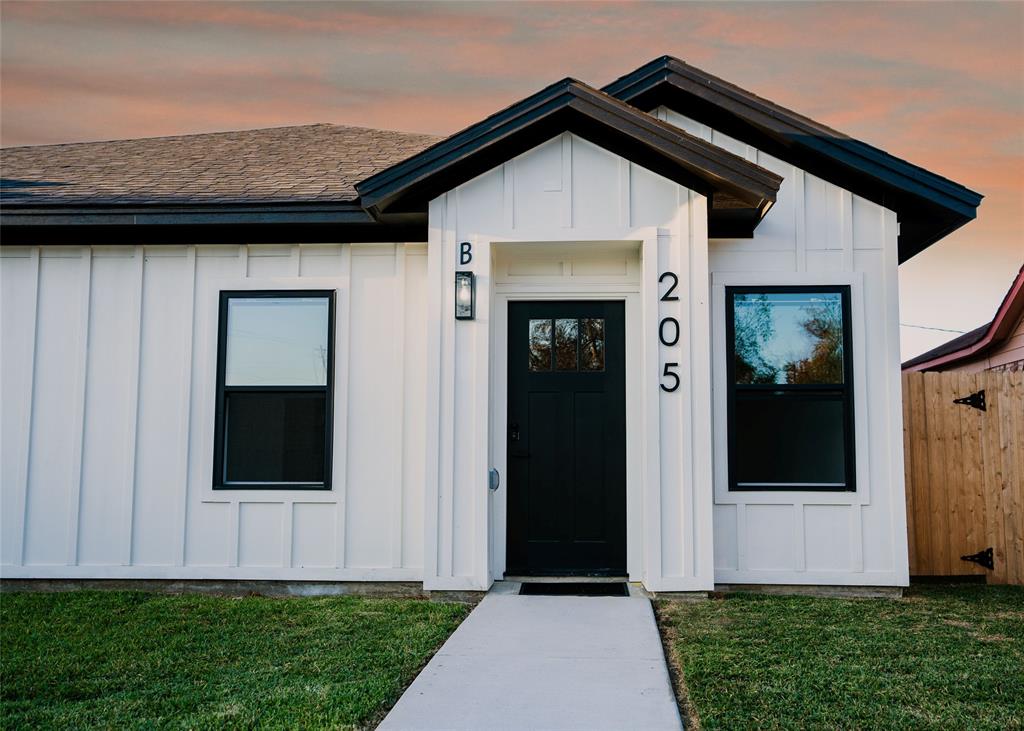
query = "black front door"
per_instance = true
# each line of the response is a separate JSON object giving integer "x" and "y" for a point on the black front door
{"x": 566, "y": 438}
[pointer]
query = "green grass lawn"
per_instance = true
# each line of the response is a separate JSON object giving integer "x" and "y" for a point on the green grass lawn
{"x": 138, "y": 660}
{"x": 945, "y": 658}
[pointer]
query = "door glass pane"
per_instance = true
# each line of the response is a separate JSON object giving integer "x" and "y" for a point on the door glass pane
{"x": 275, "y": 437}
{"x": 540, "y": 345}
{"x": 277, "y": 341}
{"x": 789, "y": 440}
{"x": 788, "y": 337}
{"x": 592, "y": 345}
{"x": 566, "y": 332}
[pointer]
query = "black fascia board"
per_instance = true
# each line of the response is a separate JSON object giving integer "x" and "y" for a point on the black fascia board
{"x": 929, "y": 206}
{"x": 253, "y": 233}
{"x": 567, "y": 106}
{"x": 145, "y": 213}
{"x": 205, "y": 224}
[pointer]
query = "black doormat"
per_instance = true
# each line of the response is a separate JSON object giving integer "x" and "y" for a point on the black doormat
{"x": 581, "y": 588}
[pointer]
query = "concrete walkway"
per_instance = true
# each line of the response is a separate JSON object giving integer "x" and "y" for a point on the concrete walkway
{"x": 542, "y": 662}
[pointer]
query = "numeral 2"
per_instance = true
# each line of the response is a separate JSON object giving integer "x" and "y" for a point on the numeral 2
{"x": 668, "y": 296}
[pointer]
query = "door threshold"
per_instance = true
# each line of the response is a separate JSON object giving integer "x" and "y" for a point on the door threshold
{"x": 567, "y": 579}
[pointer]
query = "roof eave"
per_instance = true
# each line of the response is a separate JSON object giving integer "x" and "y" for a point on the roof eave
{"x": 573, "y": 107}
{"x": 901, "y": 186}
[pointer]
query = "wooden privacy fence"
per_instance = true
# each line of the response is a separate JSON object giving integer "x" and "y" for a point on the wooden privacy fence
{"x": 965, "y": 473}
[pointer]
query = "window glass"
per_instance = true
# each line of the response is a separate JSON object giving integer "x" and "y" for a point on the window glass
{"x": 566, "y": 332}
{"x": 789, "y": 440}
{"x": 277, "y": 341}
{"x": 592, "y": 344}
{"x": 274, "y": 437}
{"x": 540, "y": 345}
{"x": 788, "y": 338}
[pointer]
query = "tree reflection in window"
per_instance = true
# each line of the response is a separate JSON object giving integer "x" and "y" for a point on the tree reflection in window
{"x": 788, "y": 338}
{"x": 566, "y": 336}
{"x": 540, "y": 345}
{"x": 592, "y": 344}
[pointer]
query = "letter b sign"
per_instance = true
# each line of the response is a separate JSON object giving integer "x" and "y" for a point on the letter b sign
{"x": 465, "y": 253}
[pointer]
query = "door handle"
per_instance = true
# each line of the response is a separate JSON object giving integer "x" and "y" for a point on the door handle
{"x": 514, "y": 432}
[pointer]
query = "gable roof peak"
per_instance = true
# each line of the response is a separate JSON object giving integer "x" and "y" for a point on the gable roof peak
{"x": 569, "y": 105}
{"x": 929, "y": 206}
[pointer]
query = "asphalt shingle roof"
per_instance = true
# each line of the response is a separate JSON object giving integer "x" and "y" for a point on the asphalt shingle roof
{"x": 311, "y": 163}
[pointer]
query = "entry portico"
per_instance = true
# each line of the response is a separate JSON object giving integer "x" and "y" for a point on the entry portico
{"x": 607, "y": 259}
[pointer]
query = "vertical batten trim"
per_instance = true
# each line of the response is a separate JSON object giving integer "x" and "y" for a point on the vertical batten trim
{"x": 78, "y": 419}
{"x": 897, "y": 475}
{"x": 799, "y": 219}
{"x": 398, "y": 488}
{"x": 741, "y": 537}
{"x": 185, "y": 417}
{"x": 856, "y": 539}
{"x": 435, "y": 290}
{"x": 342, "y": 418}
{"x": 679, "y": 257}
{"x": 846, "y": 216}
{"x": 684, "y": 311}
{"x": 28, "y": 407}
{"x": 624, "y": 194}
{"x": 702, "y": 411}
{"x": 652, "y": 414}
{"x": 243, "y": 260}
{"x": 233, "y": 533}
{"x": 287, "y": 532}
{"x": 448, "y": 381}
{"x": 481, "y": 414}
{"x": 135, "y": 363}
{"x": 295, "y": 260}
{"x": 798, "y": 536}
{"x": 687, "y": 315}
{"x": 567, "y": 201}
{"x": 508, "y": 195}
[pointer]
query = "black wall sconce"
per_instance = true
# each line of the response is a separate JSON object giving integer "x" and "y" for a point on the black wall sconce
{"x": 465, "y": 295}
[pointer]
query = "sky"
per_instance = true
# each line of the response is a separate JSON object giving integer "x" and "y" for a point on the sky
{"x": 938, "y": 84}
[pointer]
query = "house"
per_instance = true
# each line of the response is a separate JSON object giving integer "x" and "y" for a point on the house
{"x": 995, "y": 346}
{"x": 649, "y": 330}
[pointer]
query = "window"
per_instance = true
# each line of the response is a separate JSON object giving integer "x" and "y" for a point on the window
{"x": 790, "y": 388}
{"x": 275, "y": 366}
{"x": 578, "y": 344}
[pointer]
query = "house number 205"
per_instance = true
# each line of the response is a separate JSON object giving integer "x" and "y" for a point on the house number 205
{"x": 668, "y": 332}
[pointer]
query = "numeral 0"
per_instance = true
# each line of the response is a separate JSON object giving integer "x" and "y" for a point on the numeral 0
{"x": 675, "y": 331}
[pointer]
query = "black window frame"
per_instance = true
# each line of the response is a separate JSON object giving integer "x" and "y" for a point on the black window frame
{"x": 220, "y": 436}
{"x": 825, "y": 391}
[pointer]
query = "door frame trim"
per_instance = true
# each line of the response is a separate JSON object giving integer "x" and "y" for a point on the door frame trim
{"x": 622, "y": 290}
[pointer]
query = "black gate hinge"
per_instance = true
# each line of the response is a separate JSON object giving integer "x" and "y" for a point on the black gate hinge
{"x": 975, "y": 400}
{"x": 982, "y": 558}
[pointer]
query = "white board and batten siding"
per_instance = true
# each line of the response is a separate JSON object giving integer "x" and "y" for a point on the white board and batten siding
{"x": 109, "y": 377}
{"x": 817, "y": 233}
{"x": 108, "y": 387}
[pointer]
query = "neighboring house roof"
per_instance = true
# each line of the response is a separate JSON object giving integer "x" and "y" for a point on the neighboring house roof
{"x": 322, "y": 182}
{"x": 979, "y": 341}
{"x": 929, "y": 206}
{"x": 572, "y": 106}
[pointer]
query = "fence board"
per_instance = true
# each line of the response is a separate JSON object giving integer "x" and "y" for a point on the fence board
{"x": 964, "y": 473}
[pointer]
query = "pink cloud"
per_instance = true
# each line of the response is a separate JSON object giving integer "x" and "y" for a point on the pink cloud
{"x": 939, "y": 84}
